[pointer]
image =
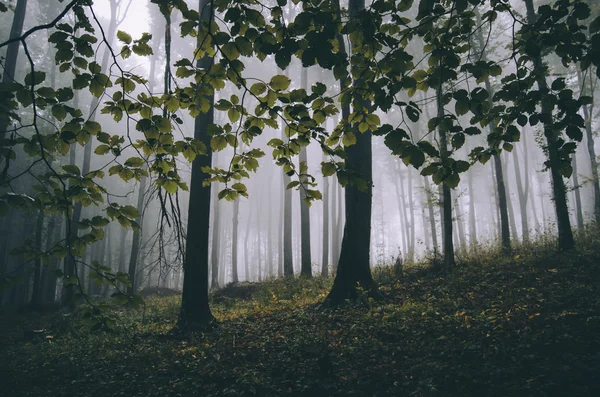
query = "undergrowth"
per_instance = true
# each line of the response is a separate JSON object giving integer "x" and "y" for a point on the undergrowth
{"x": 524, "y": 325}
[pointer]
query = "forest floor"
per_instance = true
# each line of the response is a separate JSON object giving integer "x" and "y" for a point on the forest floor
{"x": 528, "y": 325}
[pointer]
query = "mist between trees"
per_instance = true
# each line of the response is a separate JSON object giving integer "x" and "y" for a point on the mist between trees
{"x": 142, "y": 138}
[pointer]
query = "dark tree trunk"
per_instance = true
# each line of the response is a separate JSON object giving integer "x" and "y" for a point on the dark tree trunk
{"x": 500, "y": 182}
{"x": 306, "y": 260}
{"x": 12, "y": 53}
{"x": 195, "y": 312}
{"x": 354, "y": 266}
{"x": 559, "y": 191}
{"x": 504, "y": 223}
{"x": 325, "y": 258}
{"x": 288, "y": 261}
{"x": 216, "y": 233}
{"x": 448, "y": 244}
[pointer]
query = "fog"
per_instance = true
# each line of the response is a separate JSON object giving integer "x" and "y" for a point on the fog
{"x": 405, "y": 222}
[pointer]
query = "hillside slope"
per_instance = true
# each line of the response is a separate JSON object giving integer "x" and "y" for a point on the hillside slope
{"x": 528, "y": 325}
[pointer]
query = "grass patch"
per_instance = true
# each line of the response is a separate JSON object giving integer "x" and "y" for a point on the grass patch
{"x": 528, "y": 325}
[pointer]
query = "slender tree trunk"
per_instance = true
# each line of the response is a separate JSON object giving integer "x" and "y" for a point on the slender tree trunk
{"x": 403, "y": 239}
{"x": 195, "y": 312}
{"x": 234, "y": 241}
{"x": 411, "y": 209}
{"x": 587, "y": 113}
{"x": 431, "y": 212}
{"x": 246, "y": 253}
{"x": 509, "y": 206}
{"x": 565, "y": 234}
{"x": 325, "y": 258}
{"x": 446, "y": 195}
{"x": 288, "y": 261}
{"x": 135, "y": 245}
{"x": 522, "y": 197}
{"x": 500, "y": 182}
{"x": 12, "y": 53}
{"x": 70, "y": 263}
{"x": 426, "y": 235}
{"x": 472, "y": 213}
{"x": 577, "y": 193}
{"x": 216, "y": 233}
{"x": 306, "y": 260}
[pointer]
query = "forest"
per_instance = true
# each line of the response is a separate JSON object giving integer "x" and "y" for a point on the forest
{"x": 299, "y": 198}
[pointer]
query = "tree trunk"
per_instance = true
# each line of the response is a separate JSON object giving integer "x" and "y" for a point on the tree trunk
{"x": 448, "y": 249}
{"x": 306, "y": 260}
{"x": 401, "y": 209}
{"x": 522, "y": 197}
{"x": 325, "y": 258}
{"x": 565, "y": 234}
{"x": 587, "y": 113}
{"x": 354, "y": 266}
{"x": 577, "y": 193}
{"x": 288, "y": 261}
{"x": 195, "y": 312}
{"x": 234, "y": 241}
{"x": 216, "y": 235}
{"x": 246, "y": 253}
{"x": 70, "y": 263}
{"x": 472, "y": 213}
{"x": 431, "y": 213}
{"x": 12, "y": 53}
{"x": 135, "y": 245}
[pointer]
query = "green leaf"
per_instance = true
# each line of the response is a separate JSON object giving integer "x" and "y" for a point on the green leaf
{"x": 102, "y": 149}
{"x": 328, "y": 168}
{"x": 124, "y": 37}
{"x": 134, "y": 162}
{"x": 230, "y": 51}
{"x": 71, "y": 169}
{"x": 170, "y": 186}
{"x": 280, "y": 82}
{"x": 59, "y": 112}
{"x": 35, "y": 78}
{"x": 258, "y": 88}
{"x": 452, "y": 180}
{"x": 349, "y": 139}
{"x": 373, "y": 120}
{"x": 130, "y": 211}
{"x": 461, "y": 166}
{"x": 461, "y": 107}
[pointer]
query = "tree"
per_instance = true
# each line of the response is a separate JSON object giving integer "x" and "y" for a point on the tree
{"x": 565, "y": 234}
{"x": 354, "y": 269}
{"x": 325, "y": 258}
{"x": 306, "y": 261}
{"x": 195, "y": 313}
{"x": 500, "y": 183}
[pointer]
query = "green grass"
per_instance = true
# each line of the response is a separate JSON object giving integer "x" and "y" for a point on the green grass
{"x": 528, "y": 325}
